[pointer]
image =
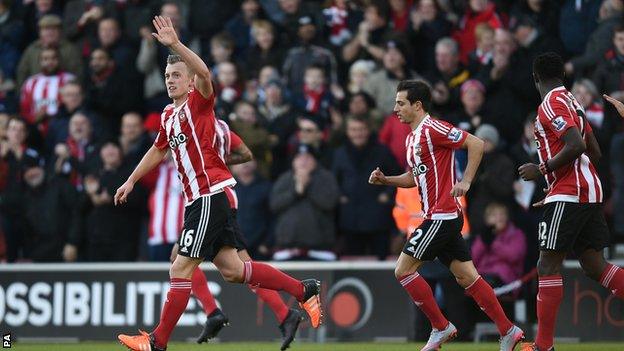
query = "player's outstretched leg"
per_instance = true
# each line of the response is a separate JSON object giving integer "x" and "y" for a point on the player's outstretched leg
{"x": 215, "y": 318}
{"x": 262, "y": 275}
{"x": 484, "y": 296}
{"x": 608, "y": 275}
{"x": 177, "y": 299}
{"x": 420, "y": 292}
{"x": 288, "y": 319}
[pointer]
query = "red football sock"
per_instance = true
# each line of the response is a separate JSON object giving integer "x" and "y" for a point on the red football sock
{"x": 264, "y": 276}
{"x": 177, "y": 298}
{"x": 484, "y": 296}
{"x": 613, "y": 279}
{"x": 421, "y": 294}
{"x": 274, "y": 300}
{"x": 201, "y": 291}
{"x": 549, "y": 297}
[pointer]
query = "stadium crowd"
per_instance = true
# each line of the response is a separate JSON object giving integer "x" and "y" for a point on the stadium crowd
{"x": 309, "y": 86}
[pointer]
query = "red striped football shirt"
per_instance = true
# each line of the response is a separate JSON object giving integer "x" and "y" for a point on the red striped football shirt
{"x": 431, "y": 157}
{"x": 190, "y": 130}
{"x": 577, "y": 181}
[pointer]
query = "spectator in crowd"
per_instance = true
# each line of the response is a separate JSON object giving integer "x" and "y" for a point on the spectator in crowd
{"x": 473, "y": 112}
{"x": 218, "y": 11}
{"x": 50, "y": 36}
{"x": 544, "y": 13}
{"x": 265, "y": 50}
{"x": 8, "y": 100}
{"x": 477, "y": 12}
{"x": 314, "y": 96}
{"x": 16, "y": 157}
{"x": 382, "y": 84}
{"x": 152, "y": 59}
{"x": 51, "y": 216}
{"x": 363, "y": 105}
{"x": 399, "y": 15}
{"x": 359, "y": 73}
{"x": 499, "y": 251}
{"x": 33, "y": 12}
{"x": 240, "y": 25}
{"x": 281, "y": 123}
{"x": 253, "y": 215}
{"x": 228, "y": 88}
{"x": 365, "y": 212}
{"x": 78, "y": 155}
{"x": 310, "y": 133}
{"x": 293, "y": 11}
{"x": 307, "y": 54}
{"x": 598, "y": 40}
{"x": 11, "y": 40}
{"x": 133, "y": 139}
{"x": 508, "y": 82}
{"x": 106, "y": 224}
{"x": 534, "y": 40}
{"x": 80, "y": 20}
{"x": 221, "y": 50}
{"x": 72, "y": 101}
{"x": 111, "y": 90}
{"x": 428, "y": 25}
{"x": 166, "y": 209}
{"x": 447, "y": 76}
{"x": 493, "y": 181}
{"x": 607, "y": 76}
{"x": 484, "y": 51}
{"x": 393, "y": 134}
{"x": 341, "y": 17}
{"x": 245, "y": 123}
{"x": 40, "y": 95}
{"x": 109, "y": 38}
{"x": 372, "y": 33}
{"x": 304, "y": 201}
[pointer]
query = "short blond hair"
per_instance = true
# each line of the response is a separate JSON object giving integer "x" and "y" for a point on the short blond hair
{"x": 260, "y": 25}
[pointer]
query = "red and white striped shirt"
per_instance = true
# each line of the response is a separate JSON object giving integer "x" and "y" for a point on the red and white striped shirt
{"x": 228, "y": 141}
{"x": 166, "y": 206}
{"x": 42, "y": 92}
{"x": 577, "y": 181}
{"x": 190, "y": 130}
{"x": 431, "y": 156}
{"x": 166, "y": 203}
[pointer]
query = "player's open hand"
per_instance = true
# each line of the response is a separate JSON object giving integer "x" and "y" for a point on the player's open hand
{"x": 377, "y": 177}
{"x": 121, "y": 196}
{"x": 460, "y": 189}
{"x": 529, "y": 171}
{"x": 619, "y": 106}
{"x": 165, "y": 33}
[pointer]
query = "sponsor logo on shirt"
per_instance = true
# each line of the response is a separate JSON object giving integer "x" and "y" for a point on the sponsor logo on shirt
{"x": 455, "y": 135}
{"x": 177, "y": 140}
{"x": 559, "y": 123}
{"x": 419, "y": 169}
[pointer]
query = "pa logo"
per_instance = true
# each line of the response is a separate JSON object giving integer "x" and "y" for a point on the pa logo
{"x": 6, "y": 341}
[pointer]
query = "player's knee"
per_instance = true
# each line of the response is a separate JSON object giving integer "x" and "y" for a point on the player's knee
{"x": 232, "y": 275}
{"x": 546, "y": 266}
{"x": 400, "y": 272}
{"x": 593, "y": 270}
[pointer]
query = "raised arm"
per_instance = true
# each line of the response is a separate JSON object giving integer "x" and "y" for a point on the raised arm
{"x": 167, "y": 36}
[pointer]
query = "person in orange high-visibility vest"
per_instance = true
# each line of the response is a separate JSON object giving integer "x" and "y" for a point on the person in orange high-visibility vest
{"x": 407, "y": 212}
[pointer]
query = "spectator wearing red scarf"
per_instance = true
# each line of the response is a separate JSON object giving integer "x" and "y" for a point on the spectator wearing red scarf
{"x": 478, "y": 11}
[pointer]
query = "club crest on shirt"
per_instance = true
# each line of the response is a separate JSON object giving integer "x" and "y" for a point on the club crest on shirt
{"x": 454, "y": 135}
{"x": 558, "y": 123}
{"x": 182, "y": 116}
{"x": 417, "y": 150}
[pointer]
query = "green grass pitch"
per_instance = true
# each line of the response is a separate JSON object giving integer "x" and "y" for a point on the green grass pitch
{"x": 307, "y": 347}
